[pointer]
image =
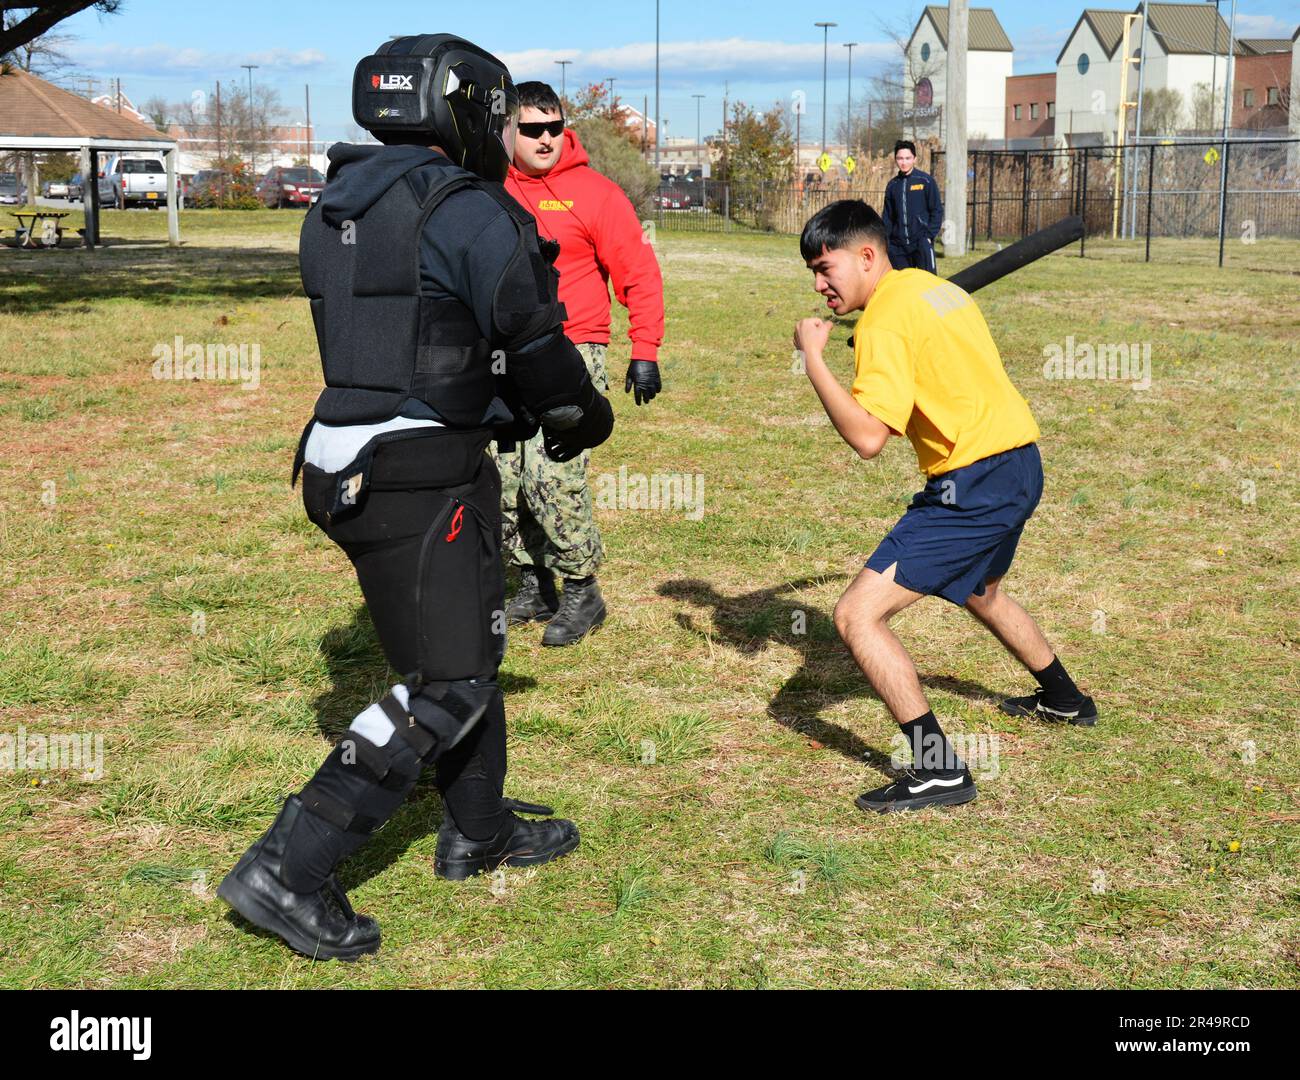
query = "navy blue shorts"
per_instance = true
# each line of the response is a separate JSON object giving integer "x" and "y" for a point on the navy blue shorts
{"x": 963, "y": 528}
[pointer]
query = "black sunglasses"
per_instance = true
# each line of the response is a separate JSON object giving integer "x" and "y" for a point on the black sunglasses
{"x": 554, "y": 128}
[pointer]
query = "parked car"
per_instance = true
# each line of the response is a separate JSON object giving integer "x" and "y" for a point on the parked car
{"x": 76, "y": 187}
{"x": 11, "y": 192}
{"x": 290, "y": 186}
{"x": 56, "y": 189}
{"x": 133, "y": 181}
{"x": 676, "y": 197}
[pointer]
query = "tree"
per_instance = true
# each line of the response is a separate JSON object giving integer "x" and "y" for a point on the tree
{"x": 158, "y": 112}
{"x": 1207, "y": 107}
{"x": 23, "y": 25}
{"x": 1162, "y": 111}
{"x": 614, "y": 156}
{"x": 758, "y": 147}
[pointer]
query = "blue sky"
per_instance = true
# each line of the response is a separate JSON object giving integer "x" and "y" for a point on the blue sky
{"x": 764, "y": 49}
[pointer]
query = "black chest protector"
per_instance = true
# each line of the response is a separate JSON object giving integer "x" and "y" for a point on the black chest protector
{"x": 380, "y": 341}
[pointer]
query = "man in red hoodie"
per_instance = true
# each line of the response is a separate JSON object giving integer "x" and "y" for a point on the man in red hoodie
{"x": 547, "y": 523}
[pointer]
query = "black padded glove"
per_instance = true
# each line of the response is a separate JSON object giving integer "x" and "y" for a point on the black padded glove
{"x": 644, "y": 375}
{"x": 568, "y": 430}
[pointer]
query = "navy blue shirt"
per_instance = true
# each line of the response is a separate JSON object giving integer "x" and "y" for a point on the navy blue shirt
{"x": 913, "y": 210}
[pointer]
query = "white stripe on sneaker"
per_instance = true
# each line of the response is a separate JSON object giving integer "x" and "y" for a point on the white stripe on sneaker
{"x": 956, "y": 781}
{"x": 1056, "y": 712}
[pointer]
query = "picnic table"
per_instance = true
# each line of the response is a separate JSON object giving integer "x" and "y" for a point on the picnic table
{"x": 43, "y": 231}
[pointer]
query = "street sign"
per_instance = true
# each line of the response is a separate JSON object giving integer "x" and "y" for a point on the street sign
{"x": 823, "y": 161}
{"x": 850, "y": 164}
{"x": 1211, "y": 156}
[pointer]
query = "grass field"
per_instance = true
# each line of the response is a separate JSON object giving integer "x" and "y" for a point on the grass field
{"x": 164, "y": 590}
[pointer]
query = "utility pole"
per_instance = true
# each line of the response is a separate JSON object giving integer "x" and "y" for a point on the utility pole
{"x": 826, "y": 32}
{"x": 656, "y": 87}
{"x": 564, "y": 66}
{"x": 307, "y": 92}
{"x": 848, "y": 112}
{"x": 610, "y": 80}
{"x": 954, "y": 197}
{"x": 252, "y": 138}
{"x": 1137, "y": 129}
{"x": 699, "y": 140}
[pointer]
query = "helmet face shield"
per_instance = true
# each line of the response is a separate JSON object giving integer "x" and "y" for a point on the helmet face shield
{"x": 510, "y": 132}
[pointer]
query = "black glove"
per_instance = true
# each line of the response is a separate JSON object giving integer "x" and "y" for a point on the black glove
{"x": 644, "y": 375}
{"x": 568, "y": 430}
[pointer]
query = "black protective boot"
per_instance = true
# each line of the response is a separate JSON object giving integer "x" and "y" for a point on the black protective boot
{"x": 517, "y": 843}
{"x": 536, "y": 600}
{"x": 581, "y": 611}
{"x": 319, "y": 924}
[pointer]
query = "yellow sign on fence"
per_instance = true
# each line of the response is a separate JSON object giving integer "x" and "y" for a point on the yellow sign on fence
{"x": 823, "y": 161}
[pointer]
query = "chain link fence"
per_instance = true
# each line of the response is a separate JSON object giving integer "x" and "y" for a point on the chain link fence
{"x": 1201, "y": 201}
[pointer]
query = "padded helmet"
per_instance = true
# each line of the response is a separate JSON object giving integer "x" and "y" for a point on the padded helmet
{"x": 439, "y": 90}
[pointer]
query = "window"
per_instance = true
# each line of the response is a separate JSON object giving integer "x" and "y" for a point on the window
{"x": 1051, "y": 109}
{"x": 1084, "y": 62}
{"x": 925, "y": 52}
{"x": 1017, "y": 109}
{"x": 1248, "y": 98}
{"x": 1274, "y": 95}
{"x": 1033, "y": 110}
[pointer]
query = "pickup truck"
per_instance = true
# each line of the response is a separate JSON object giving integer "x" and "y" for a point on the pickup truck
{"x": 133, "y": 181}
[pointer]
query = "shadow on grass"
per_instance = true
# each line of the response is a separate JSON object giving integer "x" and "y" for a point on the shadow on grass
{"x": 827, "y": 674}
{"x": 357, "y": 668}
{"x": 144, "y": 270}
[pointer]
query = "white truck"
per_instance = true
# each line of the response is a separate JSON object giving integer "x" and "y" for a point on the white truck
{"x": 133, "y": 181}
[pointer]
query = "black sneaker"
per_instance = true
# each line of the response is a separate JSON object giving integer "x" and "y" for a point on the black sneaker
{"x": 536, "y": 600}
{"x": 1083, "y": 713}
{"x": 517, "y": 843}
{"x": 582, "y": 610}
{"x": 917, "y": 789}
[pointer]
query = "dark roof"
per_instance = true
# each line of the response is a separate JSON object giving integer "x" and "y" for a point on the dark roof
{"x": 1189, "y": 28}
{"x": 984, "y": 32}
{"x": 30, "y": 106}
{"x": 1258, "y": 46}
{"x": 1106, "y": 23}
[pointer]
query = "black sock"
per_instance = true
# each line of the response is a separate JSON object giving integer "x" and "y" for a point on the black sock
{"x": 1059, "y": 689}
{"x": 931, "y": 750}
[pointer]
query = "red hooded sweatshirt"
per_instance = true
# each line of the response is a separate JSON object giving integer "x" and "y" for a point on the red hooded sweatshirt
{"x": 600, "y": 242}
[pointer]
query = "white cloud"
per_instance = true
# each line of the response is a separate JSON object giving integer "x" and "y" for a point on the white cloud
{"x": 161, "y": 58}
{"x": 1265, "y": 26}
{"x": 735, "y": 57}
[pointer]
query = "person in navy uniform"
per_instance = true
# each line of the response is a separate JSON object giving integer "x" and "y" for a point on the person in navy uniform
{"x": 913, "y": 212}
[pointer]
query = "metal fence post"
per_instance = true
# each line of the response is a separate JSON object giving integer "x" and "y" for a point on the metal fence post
{"x": 974, "y": 187}
{"x": 1223, "y": 200}
{"x": 1151, "y": 183}
{"x": 1024, "y": 199}
{"x": 992, "y": 170}
{"x": 1083, "y": 212}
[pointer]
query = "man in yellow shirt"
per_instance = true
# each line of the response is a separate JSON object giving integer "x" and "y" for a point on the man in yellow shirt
{"x": 927, "y": 367}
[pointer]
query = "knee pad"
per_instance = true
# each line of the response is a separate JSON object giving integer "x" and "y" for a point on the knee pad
{"x": 438, "y": 715}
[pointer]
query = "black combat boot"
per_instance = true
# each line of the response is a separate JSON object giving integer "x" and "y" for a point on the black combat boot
{"x": 536, "y": 600}
{"x": 581, "y": 611}
{"x": 320, "y": 924}
{"x": 517, "y": 843}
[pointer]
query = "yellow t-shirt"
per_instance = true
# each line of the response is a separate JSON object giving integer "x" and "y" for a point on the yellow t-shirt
{"x": 927, "y": 367}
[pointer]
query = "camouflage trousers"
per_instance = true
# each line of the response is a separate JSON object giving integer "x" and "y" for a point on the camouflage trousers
{"x": 546, "y": 517}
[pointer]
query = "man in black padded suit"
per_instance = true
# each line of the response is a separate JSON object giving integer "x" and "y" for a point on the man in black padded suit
{"x": 438, "y": 325}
